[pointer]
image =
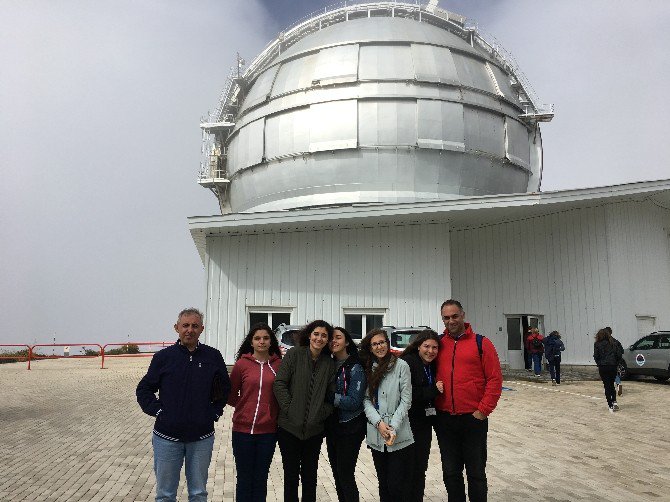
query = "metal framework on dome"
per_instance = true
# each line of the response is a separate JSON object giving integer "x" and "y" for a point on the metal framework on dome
{"x": 221, "y": 122}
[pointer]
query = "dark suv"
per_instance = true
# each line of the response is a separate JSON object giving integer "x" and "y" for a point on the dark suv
{"x": 650, "y": 355}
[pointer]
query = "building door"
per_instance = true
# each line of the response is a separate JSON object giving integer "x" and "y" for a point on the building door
{"x": 645, "y": 324}
{"x": 517, "y": 330}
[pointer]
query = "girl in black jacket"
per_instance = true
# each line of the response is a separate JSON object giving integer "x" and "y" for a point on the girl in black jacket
{"x": 420, "y": 354}
{"x": 606, "y": 353}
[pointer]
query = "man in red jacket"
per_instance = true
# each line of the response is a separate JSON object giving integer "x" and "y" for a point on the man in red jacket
{"x": 470, "y": 369}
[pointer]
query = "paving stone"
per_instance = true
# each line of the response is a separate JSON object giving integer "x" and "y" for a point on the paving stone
{"x": 73, "y": 432}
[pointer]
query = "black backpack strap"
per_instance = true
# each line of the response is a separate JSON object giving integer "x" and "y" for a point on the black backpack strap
{"x": 480, "y": 341}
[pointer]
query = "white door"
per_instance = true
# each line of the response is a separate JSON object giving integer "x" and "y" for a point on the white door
{"x": 645, "y": 325}
{"x": 515, "y": 343}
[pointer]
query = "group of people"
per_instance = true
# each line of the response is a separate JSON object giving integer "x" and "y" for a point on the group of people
{"x": 326, "y": 387}
{"x": 551, "y": 347}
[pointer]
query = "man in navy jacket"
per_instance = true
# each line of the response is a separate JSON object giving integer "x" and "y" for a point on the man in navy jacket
{"x": 193, "y": 385}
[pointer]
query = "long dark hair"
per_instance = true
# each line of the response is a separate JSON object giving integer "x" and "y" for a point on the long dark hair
{"x": 384, "y": 365}
{"x": 426, "y": 334}
{"x": 246, "y": 347}
{"x": 604, "y": 334}
{"x": 307, "y": 331}
{"x": 352, "y": 349}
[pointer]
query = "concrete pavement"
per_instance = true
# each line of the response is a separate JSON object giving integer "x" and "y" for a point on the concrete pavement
{"x": 73, "y": 432}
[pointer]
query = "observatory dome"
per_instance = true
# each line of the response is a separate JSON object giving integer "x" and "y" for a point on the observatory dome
{"x": 383, "y": 102}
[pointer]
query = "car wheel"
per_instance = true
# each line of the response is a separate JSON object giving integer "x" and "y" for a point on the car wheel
{"x": 623, "y": 371}
{"x": 662, "y": 378}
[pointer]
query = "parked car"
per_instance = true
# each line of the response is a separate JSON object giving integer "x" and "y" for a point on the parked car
{"x": 402, "y": 337}
{"x": 650, "y": 355}
{"x": 287, "y": 336}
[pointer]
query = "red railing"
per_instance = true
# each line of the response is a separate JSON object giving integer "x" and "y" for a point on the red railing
{"x": 32, "y": 356}
{"x": 139, "y": 354}
{"x": 26, "y": 357}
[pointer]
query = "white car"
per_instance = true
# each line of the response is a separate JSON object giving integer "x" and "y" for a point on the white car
{"x": 650, "y": 355}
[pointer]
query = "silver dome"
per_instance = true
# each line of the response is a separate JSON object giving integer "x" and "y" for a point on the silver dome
{"x": 387, "y": 103}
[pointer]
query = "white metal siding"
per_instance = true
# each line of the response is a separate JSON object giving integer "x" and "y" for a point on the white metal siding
{"x": 404, "y": 269}
{"x": 581, "y": 269}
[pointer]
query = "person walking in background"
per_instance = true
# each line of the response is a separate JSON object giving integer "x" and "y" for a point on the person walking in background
{"x": 527, "y": 357}
{"x": 254, "y": 434}
{"x": 193, "y": 385}
{"x": 617, "y": 379}
{"x": 536, "y": 348}
{"x": 345, "y": 428}
{"x": 420, "y": 355}
{"x": 468, "y": 365}
{"x": 300, "y": 387}
{"x": 553, "y": 346}
{"x": 387, "y": 403}
{"x": 607, "y": 352}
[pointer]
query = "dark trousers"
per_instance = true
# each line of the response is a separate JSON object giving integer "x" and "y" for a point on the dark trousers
{"x": 300, "y": 458}
{"x": 462, "y": 440}
{"x": 394, "y": 470}
{"x": 423, "y": 437}
{"x": 607, "y": 375}
{"x": 253, "y": 455}
{"x": 343, "y": 454}
{"x": 555, "y": 369}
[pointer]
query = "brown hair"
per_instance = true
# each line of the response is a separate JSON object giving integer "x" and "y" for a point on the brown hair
{"x": 603, "y": 334}
{"x": 384, "y": 365}
{"x": 426, "y": 334}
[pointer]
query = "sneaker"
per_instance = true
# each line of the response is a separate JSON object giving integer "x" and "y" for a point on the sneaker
{"x": 619, "y": 390}
{"x": 611, "y": 408}
{"x": 538, "y": 376}
{"x": 558, "y": 383}
{"x": 553, "y": 382}
{"x": 528, "y": 370}
{"x": 615, "y": 406}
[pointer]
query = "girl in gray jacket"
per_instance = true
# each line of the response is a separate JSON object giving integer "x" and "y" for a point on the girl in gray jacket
{"x": 387, "y": 403}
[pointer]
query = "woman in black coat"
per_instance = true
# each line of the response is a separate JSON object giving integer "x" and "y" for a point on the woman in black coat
{"x": 606, "y": 353}
{"x": 420, "y": 354}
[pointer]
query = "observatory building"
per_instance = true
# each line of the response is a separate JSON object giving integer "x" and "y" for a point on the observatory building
{"x": 378, "y": 158}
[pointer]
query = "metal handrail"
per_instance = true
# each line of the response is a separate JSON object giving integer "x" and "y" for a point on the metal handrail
{"x": 27, "y": 357}
{"x": 163, "y": 344}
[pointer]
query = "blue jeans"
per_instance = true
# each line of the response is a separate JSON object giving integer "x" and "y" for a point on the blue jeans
{"x": 537, "y": 363}
{"x": 168, "y": 459}
{"x": 253, "y": 455}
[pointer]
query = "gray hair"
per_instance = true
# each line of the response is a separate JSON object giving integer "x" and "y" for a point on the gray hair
{"x": 190, "y": 311}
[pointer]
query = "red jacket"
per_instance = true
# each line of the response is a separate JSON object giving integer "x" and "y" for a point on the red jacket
{"x": 529, "y": 344}
{"x": 470, "y": 383}
{"x": 256, "y": 408}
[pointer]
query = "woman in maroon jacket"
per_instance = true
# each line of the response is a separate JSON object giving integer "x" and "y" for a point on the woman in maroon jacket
{"x": 256, "y": 410}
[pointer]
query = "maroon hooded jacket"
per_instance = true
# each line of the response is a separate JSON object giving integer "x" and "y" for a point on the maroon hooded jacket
{"x": 256, "y": 408}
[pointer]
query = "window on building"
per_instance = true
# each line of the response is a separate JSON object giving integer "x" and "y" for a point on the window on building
{"x": 269, "y": 316}
{"x": 358, "y": 322}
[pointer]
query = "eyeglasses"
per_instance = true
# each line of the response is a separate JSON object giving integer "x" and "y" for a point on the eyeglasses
{"x": 378, "y": 344}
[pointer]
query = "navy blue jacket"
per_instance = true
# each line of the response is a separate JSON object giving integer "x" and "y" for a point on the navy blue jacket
{"x": 184, "y": 409}
{"x": 349, "y": 394}
{"x": 553, "y": 346}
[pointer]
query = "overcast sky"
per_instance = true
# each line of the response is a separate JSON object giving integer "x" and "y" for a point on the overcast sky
{"x": 100, "y": 146}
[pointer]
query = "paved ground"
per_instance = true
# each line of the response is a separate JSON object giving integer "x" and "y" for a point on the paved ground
{"x": 73, "y": 432}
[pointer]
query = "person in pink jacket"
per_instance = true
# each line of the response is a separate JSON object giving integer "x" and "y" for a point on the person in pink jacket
{"x": 256, "y": 411}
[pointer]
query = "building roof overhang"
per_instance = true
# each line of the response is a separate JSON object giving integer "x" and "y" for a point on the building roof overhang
{"x": 461, "y": 212}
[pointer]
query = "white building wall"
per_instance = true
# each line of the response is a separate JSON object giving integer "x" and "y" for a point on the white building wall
{"x": 639, "y": 243}
{"x": 578, "y": 268}
{"x": 318, "y": 273}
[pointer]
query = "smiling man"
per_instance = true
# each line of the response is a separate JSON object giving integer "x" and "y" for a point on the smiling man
{"x": 469, "y": 368}
{"x": 192, "y": 384}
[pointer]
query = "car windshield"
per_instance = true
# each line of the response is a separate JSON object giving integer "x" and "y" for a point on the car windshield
{"x": 287, "y": 337}
{"x": 401, "y": 339}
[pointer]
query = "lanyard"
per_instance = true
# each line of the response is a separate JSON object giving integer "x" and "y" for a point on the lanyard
{"x": 344, "y": 379}
{"x": 426, "y": 370}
